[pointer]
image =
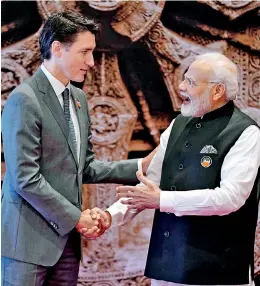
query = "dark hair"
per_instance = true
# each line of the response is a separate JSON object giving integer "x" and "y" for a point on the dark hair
{"x": 64, "y": 27}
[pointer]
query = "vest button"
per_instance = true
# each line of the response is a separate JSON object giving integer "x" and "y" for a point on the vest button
{"x": 166, "y": 233}
{"x": 187, "y": 144}
{"x": 173, "y": 188}
{"x": 180, "y": 166}
{"x": 198, "y": 125}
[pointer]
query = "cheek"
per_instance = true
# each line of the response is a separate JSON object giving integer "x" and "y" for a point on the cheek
{"x": 197, "y": 93}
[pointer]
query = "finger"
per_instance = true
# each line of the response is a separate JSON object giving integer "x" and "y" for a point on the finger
{"x": 126, "y": 189}
{"x": 93, "y": 215}
{"x": 90, "y": 231}
{"x": 128, "y": 201}
{"x": 145, "y": 181}
{"x": 135, "y": 206}
{"x": 129, "y": 195}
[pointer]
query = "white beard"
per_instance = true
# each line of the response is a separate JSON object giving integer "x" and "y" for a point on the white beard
{"x": 197, "y": 106}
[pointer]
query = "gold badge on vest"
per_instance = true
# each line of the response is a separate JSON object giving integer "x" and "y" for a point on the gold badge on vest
{"x": 206, "y": 161}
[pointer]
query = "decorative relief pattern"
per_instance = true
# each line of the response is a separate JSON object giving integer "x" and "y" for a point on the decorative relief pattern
{"x": 18, "y": 63}
{"x": 137, "y": 281}
{"x": 135, "y": 18}
{"x": 106, "y": 5}
{"x": 232, "y": 8}
{"x": 174, "y": 54}
{"x": 121, "y": 252}
{"x": 248, "y": 37}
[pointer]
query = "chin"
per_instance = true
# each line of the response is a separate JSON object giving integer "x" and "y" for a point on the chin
{"x": 78, "y": 79}
{"x": 186, "y": 111}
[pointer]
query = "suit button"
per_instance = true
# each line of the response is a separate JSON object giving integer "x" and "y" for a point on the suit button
{"x": 180, "y": 167}
{"x": 187, "y": 144}
{"x": 166, "y": 233}
{"x": 198, "y": 125}
{"x": 173, "y": 188}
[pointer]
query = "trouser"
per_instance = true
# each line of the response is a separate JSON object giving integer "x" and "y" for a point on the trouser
{"x": 63, "y": 273}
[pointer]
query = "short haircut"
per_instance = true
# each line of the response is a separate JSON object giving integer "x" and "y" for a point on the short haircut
{"x": 225, "y": 71}
{"x": 64, "y": 27}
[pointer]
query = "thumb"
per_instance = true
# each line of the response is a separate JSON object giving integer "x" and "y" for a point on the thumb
{"x": 144, "y": 180}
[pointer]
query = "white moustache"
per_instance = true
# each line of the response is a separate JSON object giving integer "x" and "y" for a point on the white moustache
{"x": 185, "y": 96}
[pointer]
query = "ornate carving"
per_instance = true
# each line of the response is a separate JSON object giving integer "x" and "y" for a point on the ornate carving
{"x": 232, "y": 8}
{"x": 137, "y": 281}
{"x": 46, "y": 7}
{"x": 135, "y": 19}
{"x": 149, "y": 123}
{"x": 121, "y": 252}
{"x": 171, "y": 50}
{"x": 254, "y": 90}
{"x": 248, "y": 37}
{"x": 105, "y": 5}
{"x": 12, "y": 74}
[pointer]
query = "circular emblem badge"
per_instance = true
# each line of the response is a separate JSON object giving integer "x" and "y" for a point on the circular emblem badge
{"x": 206, "y": 162}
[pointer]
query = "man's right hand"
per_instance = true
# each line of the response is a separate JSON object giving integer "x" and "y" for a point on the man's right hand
{"x": 88, "y": 220}
{"x": 105, "y": 221}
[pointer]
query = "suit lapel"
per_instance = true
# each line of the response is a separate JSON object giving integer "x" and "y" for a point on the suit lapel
{"x": 51, "y": 100}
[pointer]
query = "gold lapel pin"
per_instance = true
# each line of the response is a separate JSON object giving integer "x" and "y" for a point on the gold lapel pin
{"x": 78, "y": 104}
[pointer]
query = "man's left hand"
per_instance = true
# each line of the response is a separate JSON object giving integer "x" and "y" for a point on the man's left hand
{"x": 105, "y": 221}
{"x": 146, "y": 196}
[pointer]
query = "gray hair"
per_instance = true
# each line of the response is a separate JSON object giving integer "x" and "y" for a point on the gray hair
{"x": 225, "y": 71}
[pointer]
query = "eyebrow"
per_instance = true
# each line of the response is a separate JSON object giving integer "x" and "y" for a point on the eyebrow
{"x": 187, "y": 77}
{"x": 88, "y": 49}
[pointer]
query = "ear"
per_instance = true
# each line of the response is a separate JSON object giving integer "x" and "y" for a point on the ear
{"x": 218, "y": 91}
{"x": 56, "y": 48}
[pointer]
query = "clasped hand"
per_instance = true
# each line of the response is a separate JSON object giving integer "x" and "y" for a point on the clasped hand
{"x": 93, "y": 223}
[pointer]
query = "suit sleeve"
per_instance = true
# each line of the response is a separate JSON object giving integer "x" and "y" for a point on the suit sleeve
{"x": 96, "y": 171}
{"x": 21, "y": 129}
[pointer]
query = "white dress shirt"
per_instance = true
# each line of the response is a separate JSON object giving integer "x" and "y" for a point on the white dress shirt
{"x": 238, "y": 174}
{"x": 58, "y": 88}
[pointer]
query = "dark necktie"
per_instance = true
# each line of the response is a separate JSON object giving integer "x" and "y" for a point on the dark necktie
{"x": 66, "y": 109}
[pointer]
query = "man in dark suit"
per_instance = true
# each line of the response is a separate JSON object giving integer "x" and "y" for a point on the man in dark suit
{"x": 48, "y": 154}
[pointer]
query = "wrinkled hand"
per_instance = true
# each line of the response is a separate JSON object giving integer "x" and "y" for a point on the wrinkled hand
{"x": 145, "y": 196}
{"x": 105, "y": 221}
{"x": 147, "y": 160}
{"x": 88, "y": 220}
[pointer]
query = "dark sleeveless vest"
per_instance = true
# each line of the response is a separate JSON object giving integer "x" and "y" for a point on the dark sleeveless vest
{"x": 203, "y": 250}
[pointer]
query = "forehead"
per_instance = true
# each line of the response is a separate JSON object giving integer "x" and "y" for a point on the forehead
{"x": 84, "y": 40}
{"x": 200, "y": 71}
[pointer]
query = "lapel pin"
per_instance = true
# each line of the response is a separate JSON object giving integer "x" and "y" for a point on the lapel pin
{"x": 78, "y": 104}
{"x": 206, "y": 162}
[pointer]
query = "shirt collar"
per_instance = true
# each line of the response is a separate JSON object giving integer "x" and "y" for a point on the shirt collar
{"x": 57, "y": 86}
{"x": 226, "y": 109}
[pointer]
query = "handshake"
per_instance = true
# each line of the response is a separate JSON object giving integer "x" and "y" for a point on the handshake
{"x": 93, "y": 223}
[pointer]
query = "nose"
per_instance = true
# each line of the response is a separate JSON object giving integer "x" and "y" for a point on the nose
{"x": 90, "y": 60}
{"x": 182, "y": 86}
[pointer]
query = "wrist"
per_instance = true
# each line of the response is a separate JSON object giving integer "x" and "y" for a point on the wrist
{"x": 109, "y": 219}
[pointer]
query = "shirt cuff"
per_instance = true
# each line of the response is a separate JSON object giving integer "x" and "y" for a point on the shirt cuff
{"x": 140, "y": 168}
{"x": 167, "y": 201}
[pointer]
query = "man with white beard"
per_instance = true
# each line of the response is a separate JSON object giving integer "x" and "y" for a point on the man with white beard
{"x": 203, "y": 183}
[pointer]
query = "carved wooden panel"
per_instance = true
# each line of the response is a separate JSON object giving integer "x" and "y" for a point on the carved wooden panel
{"x": 122, "y": 111}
